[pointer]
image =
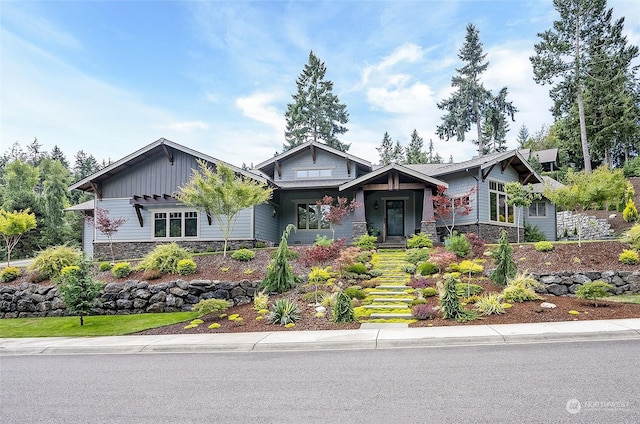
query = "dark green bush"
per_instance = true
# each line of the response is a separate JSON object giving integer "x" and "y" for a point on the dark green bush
{"x": 426, "y": 269}
{"x": 533, "y": 234}
{"x": 243, "y": 255}
{"x": 459, "y": 245}
{"x": 355, "y": 292}
{"x": 343, "y": 309}
{"x": 284, "y": 311}
{"x": 417, "y": 255}
{"x": 594, "y": 290}
{"x": 366, "y": 242}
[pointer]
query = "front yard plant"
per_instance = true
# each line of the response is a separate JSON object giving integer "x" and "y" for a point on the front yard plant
{"x": 284, "y": 311}
{"x": 49, "y": 262}
{"x": 121, "y": 269}
{"x": 78, "y": 289}
{"x": 9, "y": 274}
{"x": 164, "y": 258}
{"x": 343, "y": 309}
{"x": 629, "y": 257}
{"x": 211, "y": 306}
{"x": 594, "y": 290}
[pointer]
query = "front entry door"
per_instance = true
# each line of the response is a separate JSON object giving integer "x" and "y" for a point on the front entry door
{"x": 395, "y": 217}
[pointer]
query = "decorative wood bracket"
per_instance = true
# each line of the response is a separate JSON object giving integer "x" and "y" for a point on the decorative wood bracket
{"x": 486, "y": 174}
{"x": 138, "y": 214}
{"x": 313, "y": 152}
{"x": 96, "y": 189}
{"x": 527, "y": 178}
{"x": 206, "y": 212}
{"x": 168, "y": 153}
{"x": 278, "y": 169}
{"x": 505, "y": 164}
{"x": 348, "y": 167}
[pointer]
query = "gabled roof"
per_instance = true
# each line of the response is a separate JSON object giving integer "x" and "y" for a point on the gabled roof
{"x": 270, "y": 163}
{"x": 386, "y": 169}
{"x": 161, "y": 145}
{"x": 544, "y": 156}
{"x": 486, "y": 163}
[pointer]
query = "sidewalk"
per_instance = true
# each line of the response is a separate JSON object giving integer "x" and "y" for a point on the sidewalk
{"x": 375, "y": 337}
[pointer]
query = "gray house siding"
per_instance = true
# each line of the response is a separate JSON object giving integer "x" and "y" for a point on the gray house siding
{"x": 376, "y": 216}
{"x": 547, "y": 224}
{"x": 324, "y": 160}
{"x": 156, "y": 175}
{"x": 88, "y": 234}
{"x": 266, "y": 224}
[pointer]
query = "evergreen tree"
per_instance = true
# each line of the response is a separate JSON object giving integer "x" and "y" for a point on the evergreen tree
{"x": 468, "y": 104}
{"x": 55, "y": 197}
{"x": 572, "y": 55}
{"x": 431, "y": 157}
{"x": 523, "y": 136}
{"x": 316, "y": 113}
{"x": 390, "y": 152}
{"x": 58, "y": 154}
{"x": 506, "y": 268}
{"x": 495, "y": 125}
{"x": 35, "y": 154}
{"x": 414, "y": 152}
{"x": 79, "y": 291}
{"x": 85, "y": 165}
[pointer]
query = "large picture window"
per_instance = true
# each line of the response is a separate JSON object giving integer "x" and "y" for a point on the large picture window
{"x": 312, "y": 216}
{"x": 499, "y": 211}
{"x": 174, "y": 224}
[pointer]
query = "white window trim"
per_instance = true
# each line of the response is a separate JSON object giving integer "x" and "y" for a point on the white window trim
{"x": 538, "y": 216}
{"x": 168, "y": 211}
{"x": 319, "y": 169}
{"x": 512, "y": 207}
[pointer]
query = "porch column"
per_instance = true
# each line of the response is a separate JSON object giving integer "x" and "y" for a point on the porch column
{"x": 428, "y": 222}
{"x": 359, "y": 226}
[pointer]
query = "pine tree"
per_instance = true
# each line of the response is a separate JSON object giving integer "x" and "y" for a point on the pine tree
{"x": 55, "y": 197}
{"x": 58, "y": 154}
{"x": 316, "y": 113}
{"x": 468, "y": 104}
{"x": 414, "y": 152}
{"x": 569, "y": 55}
{"x": 386, "y": 149}
{"x": 79, "y": 291}
{"x": 506, "y": 268}
{"x": 523, "y": 136}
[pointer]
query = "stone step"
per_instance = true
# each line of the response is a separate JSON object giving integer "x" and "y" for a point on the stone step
{"x": 385, "y": 293}
{"x": 386, "y": 306}
{"x": 383, "y": 315}
{"x": 393, "y": 286}
{"x": 393, "y": 299}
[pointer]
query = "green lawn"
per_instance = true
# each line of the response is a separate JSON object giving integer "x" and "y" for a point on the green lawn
{"x": 103, "y": 325}
{"x": 624, "y": 298}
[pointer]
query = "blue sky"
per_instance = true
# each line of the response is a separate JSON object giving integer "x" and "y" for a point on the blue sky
{"x": 111, "y": 77}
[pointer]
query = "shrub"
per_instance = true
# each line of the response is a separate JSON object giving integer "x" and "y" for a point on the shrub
{"x": 467, "y": 266}
{"x": 427, "y": 268}
{"x": 543, "y": 246}
{"x": 418, "y": 301}
{"x": 630, "y": 213}
{"x": 9, "y": 273}
{"x": 343, "y": 309}
{"x": 260, "y": 301}
{"x": 520, "y": 289}
{"x": 78, "y": 290}
{"x": 450, "y": 302}
{"x": 50, "y": 261}
{"x": 632, "y": 236}
{"x": 348, "y": 257}
{"x": 323, "y": 241}
{"x": 533, "y": 234}
{"x": 424, "y": 311}
{"x": 442, "y": 258}
{"x": 629, "y": 257}
{"x": 260, "y": 244}
{"x": 211, "y": 306}
{"x": 409, "y": 268}
{"x": 417, "y": 255}
{"x": 121, "y": 269}
{"x": 506, "y": 268}
{"x": 490, "y": 304}
{"x": 319, "y": 274}
{"x": 328, "y": 300}
{"x": 418, "y": 241}
{"x": 164, "y": 258}
{"x": 429, "y": 291}
{"x": 355, "y": 292}
{"x": 151, "y": 274}
{"x": 284, "y": 311}
{"x": 459, "y": 245}
{"x": 468, "y": 289}
{"x": 186, "y": 267}
{"x": 313, "y": 296}
{"x": 104, "y": 266}
{"x": 476, "y": 243}
{"x": 280, "y": 276}
{"x": 594, "y": 290}
{"x": 375, "y": 272}
{"x": 366, "y": 242}
{"x": 357, "y": 268}
{"x": 243, "y": 255}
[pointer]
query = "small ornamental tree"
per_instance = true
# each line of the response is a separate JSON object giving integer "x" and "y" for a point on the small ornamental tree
{"x": 446, "y": 207}
{"x": 13, "y": 225}
{"x": 107, "y": 226}
{"x": 506, "y": 268}
{"x": 280, "y": 277}
{"x": 519, "y": 196}
{"x": 630, "y": 213}
{"x": 78, "y": 290}
{"x": 336, "y": 210}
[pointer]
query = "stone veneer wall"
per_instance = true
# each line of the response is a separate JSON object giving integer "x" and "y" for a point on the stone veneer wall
{"x": 125, "y": 250}
{"x": 129, "y": 297}
{"x": 489, "y": 232}
{"x": 592, "y": 228}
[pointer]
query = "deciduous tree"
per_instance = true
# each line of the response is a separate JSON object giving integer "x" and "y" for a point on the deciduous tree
{"x": 13, "y": 225}
{"x": 519, "y": 196}
{"x": 446, "y": 207}
{"x": 107, "y": 226}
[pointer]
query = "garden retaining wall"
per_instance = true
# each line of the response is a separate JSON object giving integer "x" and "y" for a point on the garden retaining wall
{"x": 129, "y": 297}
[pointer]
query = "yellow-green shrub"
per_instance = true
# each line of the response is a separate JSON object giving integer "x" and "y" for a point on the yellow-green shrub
{"x": 186, "y": 267}
{"x": 121, "y": 269}
{"x": 50, "y": 261}
{"x": 164, "y": 258}
{"x": 9, "y": 273}
{"x": 543, "y": 246}
{"x": 629, "y": 257}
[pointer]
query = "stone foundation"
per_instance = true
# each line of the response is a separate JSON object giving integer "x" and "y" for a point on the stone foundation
{"x": 429, "y": 227}
{"x": 128, "y": 250}
{"x": 358, "y": 229}
{"x": 487, "y": 232}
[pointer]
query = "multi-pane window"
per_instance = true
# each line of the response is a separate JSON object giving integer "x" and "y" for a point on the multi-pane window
{"x": 538, "y": 209}
{"x": 175, "y": 224}
{"x": 498, "y": 209}
{"x": 313, "y": 173}
{"x": 312, "y": 216}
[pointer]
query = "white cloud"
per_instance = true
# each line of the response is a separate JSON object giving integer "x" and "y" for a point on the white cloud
{"x": 188, "y": 126}
{"x": 401, "y": 98}
{"x": 259, "y": 108}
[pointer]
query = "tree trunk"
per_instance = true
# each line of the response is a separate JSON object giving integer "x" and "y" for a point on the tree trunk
{"x": 583, "y": 133}
{"x": 81, "y": 321}
{"x": 479, "y": 127}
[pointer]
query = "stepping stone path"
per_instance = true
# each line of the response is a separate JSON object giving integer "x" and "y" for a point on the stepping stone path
{"x": 391, "y": 296}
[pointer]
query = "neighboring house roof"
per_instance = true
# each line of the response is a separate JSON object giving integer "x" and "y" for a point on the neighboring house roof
{"x": 89, "y": 205}
{"x": 486, "y": 163}
{"x": 160, "y": 145}
{"x": 546, "y": 182}
{"x": 544, "y": 156}
{"x": 404, "y": 169}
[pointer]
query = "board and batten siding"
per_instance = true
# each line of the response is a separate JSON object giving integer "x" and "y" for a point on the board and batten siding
{"x": 509, "y": 175}
{"x": 156, "y": 175}
{"x": 131, "y": 230}
{"x": 324, "y": 160}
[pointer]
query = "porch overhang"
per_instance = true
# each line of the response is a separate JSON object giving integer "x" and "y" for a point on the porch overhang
{"x": 393, "y": 177}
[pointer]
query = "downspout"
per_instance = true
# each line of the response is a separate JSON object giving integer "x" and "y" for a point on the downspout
{"x": 477, "y": 201}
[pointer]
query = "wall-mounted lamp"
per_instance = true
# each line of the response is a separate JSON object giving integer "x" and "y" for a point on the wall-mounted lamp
{"x": 375, "y": 205}
{"x": 274, "y": 212}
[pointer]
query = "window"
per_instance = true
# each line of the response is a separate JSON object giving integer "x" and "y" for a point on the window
{"x": 175, "y": 224}
{"x": 499, "y": 211}
{"x": 312, "y": 216}
{"x": 313, "y": 173}
{"x": 538, "y": 209}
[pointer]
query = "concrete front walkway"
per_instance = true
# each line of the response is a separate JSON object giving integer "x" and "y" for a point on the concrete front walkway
{"x": 379, "y": 336}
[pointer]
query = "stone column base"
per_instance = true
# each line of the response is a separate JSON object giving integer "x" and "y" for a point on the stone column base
{"x": 429, "y": 227}
{"x": 358, "y": 229}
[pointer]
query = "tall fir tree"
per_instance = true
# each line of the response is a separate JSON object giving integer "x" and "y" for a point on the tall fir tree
{"x": 580, "y": 57}
{"x": 389, "y": 151}
{"x": 414, "y": 152}
{"x": 467, "y": 105}
{"x": 316, "y": 113}
{"x": 523, "y": 136}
